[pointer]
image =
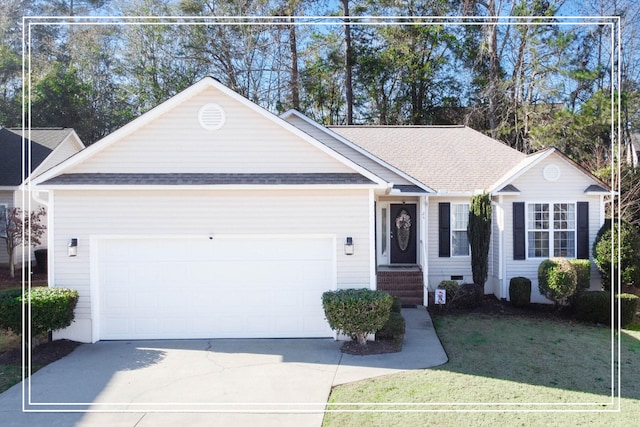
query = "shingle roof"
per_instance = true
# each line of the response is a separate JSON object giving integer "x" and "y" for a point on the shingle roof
{"x": 451, "y": 158}
{"x": 43, "y": 142}
{"x": 207, "y": 179}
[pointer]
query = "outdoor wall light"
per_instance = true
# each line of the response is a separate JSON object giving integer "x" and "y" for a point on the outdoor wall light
{"x": 348, "y": 246}
{"x": 72, "y": 247}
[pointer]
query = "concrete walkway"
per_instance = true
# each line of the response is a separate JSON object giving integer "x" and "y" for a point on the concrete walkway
{"x": 275, "y": 382}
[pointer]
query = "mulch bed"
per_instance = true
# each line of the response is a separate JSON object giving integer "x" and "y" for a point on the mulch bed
{"x": 43, "y": 354}
{"x": 372, "y": 347}
{"x": 494, "y": 306}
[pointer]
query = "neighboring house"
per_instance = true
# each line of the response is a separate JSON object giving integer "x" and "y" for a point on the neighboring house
{"x": 49, "y": 146}
{"x": 210, "y": 217}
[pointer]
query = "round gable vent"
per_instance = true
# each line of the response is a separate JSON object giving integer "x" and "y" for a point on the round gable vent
{"x": 551, "y": 172}
{"x": 211, "y": 116}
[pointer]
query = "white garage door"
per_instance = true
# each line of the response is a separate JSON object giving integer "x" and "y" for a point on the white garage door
{"x": 258, "y": 287}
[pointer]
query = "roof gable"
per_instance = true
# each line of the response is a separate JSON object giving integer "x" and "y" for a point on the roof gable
{"x": 551, "y": 166}
{"x": 43, "y": 142}
{"x": 171, "y": 140}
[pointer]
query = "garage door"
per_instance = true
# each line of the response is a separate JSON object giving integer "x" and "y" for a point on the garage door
{"x": 258, "y": 287}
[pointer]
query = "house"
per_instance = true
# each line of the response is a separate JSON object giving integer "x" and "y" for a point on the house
{"x": 209, "y": 217}
{"x": 49, "y": 146}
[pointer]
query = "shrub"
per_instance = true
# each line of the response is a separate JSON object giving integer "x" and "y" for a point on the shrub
{"x": 629, "y": 255}
{"x": 583, "y": 273}
{"x": 396, "y": 306}
{"x": 393, "y": 329}
{"x": 469, "y": 295}
{"x": 451, "y": 286}
{"x": 357, "y": 312}
{"x": 593, "y": 306}
{"x": 628, "y": 307}
{"x": 520, "y": 291}
{"x": 51, "y": 309}
{"x": 11, "y": 310}
{"x": 557, "y": 279}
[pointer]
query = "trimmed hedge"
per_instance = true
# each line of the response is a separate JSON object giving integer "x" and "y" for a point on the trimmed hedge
{"x": 583, "y": 273}
{"x": 11, "y": 310}
{"x": 357, "y": 312}
{"x": 595, "y": 306}
{"x": 51, "y": 309}
{"x": 520, "y": 291}
{"x": 393, "y": 329}
{"x": 557, "y": 279}
{"x": 396, "y": 306}
{"x": 629, "y": 307}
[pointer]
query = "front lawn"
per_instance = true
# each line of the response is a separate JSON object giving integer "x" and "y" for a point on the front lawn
{"x": 504, "y": 370}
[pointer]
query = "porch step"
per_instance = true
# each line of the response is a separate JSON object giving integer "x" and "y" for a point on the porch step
{"x": 405, "y": 284}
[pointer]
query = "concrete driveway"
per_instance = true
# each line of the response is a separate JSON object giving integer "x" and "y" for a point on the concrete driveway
{"x": 265, "y": 382}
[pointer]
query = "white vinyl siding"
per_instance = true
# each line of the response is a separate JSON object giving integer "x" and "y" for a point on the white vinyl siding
{"x": 442, "y": 268}
{"x": 247, "y": 143}
{"x": 88, "y": 214}
{"x": 534, "y": 189}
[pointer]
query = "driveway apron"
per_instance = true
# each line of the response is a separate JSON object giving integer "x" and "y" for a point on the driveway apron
{"x": 266, "y": 382}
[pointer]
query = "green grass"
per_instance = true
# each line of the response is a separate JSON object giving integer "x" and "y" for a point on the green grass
{"x": 499, "y": 365}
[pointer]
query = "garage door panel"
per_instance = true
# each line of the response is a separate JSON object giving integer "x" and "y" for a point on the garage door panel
{"x": 201, "y": 288}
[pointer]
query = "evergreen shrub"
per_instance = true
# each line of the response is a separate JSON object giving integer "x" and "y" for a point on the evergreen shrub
{"x": 520, "y": 291}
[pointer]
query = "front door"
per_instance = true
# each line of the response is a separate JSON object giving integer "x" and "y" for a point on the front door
{"x": 403, "y": 233}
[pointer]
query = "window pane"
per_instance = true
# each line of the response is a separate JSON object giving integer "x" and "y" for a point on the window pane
{"x": 383, "y": 238}
{"x": 564, "y": 216}
{"x": 538, "y": 244}
{"x": 460, "y": 216}
{"x": 564, "y": 244}
{"x": 460, "y": 243}
{"x": 538, "y": 216}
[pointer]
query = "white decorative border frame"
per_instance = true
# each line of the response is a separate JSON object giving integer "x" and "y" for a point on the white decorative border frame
{"x": 613, "y": 22}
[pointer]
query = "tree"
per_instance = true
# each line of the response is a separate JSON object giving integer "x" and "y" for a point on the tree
{"x": 627, "y": 254}
{"x": 14, "y": 230}
{"x": 348, "y": 62}
{"x": 479, "y": 233}
{"x": 61, "y": 99}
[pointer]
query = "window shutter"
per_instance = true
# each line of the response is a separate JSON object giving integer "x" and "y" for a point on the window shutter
{"x": 582, "y": 238}
{"x": 444, "y": 221}
{"x": 519, "y": 231}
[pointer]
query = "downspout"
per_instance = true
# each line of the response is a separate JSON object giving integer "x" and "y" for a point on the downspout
{"x": 36, "y": 196}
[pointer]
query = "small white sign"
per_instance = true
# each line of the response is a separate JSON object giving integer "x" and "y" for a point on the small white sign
{"x": 441, "y": 296}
